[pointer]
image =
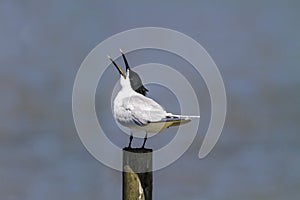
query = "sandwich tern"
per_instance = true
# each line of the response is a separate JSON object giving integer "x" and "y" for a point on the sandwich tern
{"x": 132, "y": 109}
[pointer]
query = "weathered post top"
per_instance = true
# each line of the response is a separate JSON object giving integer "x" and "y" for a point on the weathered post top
{"x": 137, "y": 174}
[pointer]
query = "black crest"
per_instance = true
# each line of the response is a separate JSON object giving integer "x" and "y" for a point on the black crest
{"x": 135, "y": 80}
{"x": 136, "y": 83}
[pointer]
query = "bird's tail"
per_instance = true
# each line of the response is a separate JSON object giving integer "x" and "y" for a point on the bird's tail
{"x": 183, "y": 116}
{"x": 172, "y": 120}
{"x": 179, "y": 119}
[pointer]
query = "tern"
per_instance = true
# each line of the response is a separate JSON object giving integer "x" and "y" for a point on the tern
{"x": 132, "y": 109}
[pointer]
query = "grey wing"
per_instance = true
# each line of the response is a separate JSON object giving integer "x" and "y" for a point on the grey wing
{"x": 143, "y": 109}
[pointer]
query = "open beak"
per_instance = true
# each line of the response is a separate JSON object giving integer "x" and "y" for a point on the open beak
{"x": 125, "y": 60}
{"x": 117, "y": 66}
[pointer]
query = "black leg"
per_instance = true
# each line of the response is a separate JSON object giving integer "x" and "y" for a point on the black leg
{"x": 130, "y": 141}
{"x": 145, "y": 139}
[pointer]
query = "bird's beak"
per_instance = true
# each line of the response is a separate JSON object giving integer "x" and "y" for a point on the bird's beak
{"x": 125, "y": 60}
{"x": 117, "y": 66}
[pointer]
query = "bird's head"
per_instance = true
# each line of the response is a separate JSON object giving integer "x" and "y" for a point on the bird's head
{"x": 130, "y": 77}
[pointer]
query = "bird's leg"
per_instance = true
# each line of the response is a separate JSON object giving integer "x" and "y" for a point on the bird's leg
{"x": 145, "y": 139}
{"x": 130, "y": 140}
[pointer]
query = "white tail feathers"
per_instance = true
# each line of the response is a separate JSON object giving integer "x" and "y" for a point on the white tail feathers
{"x": 176, "y": 120}
{"x": 183, "y": 116}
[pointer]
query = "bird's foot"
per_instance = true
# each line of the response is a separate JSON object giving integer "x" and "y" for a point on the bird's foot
{"x": 130, "y": 141}
{"x": 145, "y": 139}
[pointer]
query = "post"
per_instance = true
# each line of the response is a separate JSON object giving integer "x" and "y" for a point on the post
{"x": 137, "y": 174}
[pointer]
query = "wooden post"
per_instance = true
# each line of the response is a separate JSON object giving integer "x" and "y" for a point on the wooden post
{"x": 137, "y": 174}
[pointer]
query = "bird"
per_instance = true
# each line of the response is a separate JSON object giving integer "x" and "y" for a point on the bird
{"x": 134, "y": 110}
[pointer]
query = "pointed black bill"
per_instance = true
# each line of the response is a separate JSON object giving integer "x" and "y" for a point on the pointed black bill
{"x": 125, "y": 60}
{"x": 117, "y": 66}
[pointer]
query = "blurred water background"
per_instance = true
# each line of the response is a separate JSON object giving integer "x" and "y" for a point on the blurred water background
{"x": 256, "y": 46}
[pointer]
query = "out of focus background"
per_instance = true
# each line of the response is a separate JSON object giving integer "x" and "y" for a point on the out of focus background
{"x": 256, "y": 46}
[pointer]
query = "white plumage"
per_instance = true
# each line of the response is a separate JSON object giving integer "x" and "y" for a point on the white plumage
{"x": 138, "y": 112}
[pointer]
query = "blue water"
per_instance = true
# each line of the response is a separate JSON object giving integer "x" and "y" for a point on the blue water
{"x": 255, "y": 45}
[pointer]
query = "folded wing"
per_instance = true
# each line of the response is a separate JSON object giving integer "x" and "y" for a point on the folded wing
{"x": 144, "y": 111}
